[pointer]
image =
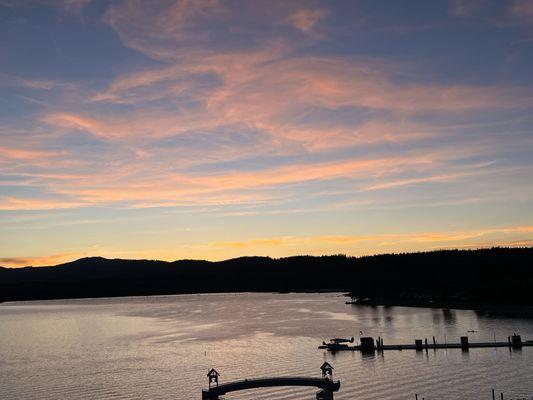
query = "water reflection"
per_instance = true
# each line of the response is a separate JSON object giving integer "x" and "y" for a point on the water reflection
{"x": 136, "y": 348}
{"x": 449, "y": 316}
{"x": 437, "y": 317}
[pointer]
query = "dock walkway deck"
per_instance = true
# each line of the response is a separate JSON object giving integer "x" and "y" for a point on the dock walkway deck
{"x": 429, "y": 346}
{"x": 368, "y": 344}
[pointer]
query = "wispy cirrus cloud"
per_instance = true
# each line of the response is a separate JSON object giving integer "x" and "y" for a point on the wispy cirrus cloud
{"x": 388, "y": 239}
{"x": 277, "y": 96}
{"x": 196, "y": 189}
{"x": 278, "y": 109}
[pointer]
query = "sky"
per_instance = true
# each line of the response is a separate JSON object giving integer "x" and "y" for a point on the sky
{"x": 214, "y": 129}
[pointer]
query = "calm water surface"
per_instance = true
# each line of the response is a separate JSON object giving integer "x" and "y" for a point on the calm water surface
{"x": 162, "y": 347}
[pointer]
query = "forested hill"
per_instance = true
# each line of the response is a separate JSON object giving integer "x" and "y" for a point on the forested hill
{"x": 492, "y": 276}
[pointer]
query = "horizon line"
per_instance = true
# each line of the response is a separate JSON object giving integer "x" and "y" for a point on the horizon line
{"x": 443, "y": 249}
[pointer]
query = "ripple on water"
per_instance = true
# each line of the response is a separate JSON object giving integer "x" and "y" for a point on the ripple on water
{"x": 162, "y": 347}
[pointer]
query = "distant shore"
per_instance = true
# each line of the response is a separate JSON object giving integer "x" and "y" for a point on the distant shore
{"x": 485, "y": 279}
{"x": 510, "y": 310}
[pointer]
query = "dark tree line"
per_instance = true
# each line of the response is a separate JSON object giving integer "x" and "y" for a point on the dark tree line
{"x": 492, "y": 276}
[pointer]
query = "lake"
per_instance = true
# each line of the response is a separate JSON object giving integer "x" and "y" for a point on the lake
{"x": 161, "y": 347}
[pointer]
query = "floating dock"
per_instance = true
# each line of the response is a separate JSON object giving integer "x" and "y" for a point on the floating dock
{"x": 368, "y": 344}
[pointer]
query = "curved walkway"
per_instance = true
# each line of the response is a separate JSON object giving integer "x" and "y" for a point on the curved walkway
{"x": 321, "y": 383}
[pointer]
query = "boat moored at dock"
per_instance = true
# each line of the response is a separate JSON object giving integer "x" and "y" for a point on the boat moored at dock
{"x": 369, "y": 344}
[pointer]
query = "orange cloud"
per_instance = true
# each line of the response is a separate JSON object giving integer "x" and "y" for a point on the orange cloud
{"x": 145, "y": 125}
{"x": 176, "y": 188}
{"x": 72, "y": 121}
{"x": 292, "y": 245}
{"x": 441, "y": 238}
{"x": 25, "y": 154}
{"x": 11, "y": 203}
{"x": 52, "y": 259}
{"x": 128, "y": 185}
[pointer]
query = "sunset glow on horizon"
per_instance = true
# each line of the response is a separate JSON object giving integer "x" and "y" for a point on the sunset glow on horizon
{"x": 215, "y": 129}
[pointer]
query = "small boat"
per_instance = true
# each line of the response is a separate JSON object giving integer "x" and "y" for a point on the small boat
{"x": 356, "y": 300}
{"x": 337, "y": 344}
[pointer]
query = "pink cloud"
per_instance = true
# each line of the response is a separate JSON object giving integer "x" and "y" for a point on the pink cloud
{"x": 25, "y": 154}
{"x": 265, "y": 90}
{"x": 463, "y": 8}
{"x": 38, "y": 84}
{"x": 305, "y": 20}
{"x": 11, "y": 203}
{"x": 260, "y": 89}
{"x": 128, "y": 186}
{"x": 150, "y": 27}
{"x": 522, "y": 9}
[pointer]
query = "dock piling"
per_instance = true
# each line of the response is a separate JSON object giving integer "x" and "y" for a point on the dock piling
{"x": 464, "y": 343}
{"x": 516, "y": 341}
{"x": 367, "y": 344}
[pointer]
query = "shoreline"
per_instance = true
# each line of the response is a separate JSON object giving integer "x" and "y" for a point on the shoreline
{"x": 341, "y": 292}
{"x": 510, "y": 310}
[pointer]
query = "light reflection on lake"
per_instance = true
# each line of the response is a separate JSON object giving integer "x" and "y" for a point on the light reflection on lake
{"x": 162, "y": 347}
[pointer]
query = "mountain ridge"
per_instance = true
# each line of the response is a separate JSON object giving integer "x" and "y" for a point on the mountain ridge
{"x": 495, "y": 275}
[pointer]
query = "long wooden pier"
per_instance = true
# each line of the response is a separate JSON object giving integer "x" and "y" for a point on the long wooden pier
{"x": 368, "y": 344}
